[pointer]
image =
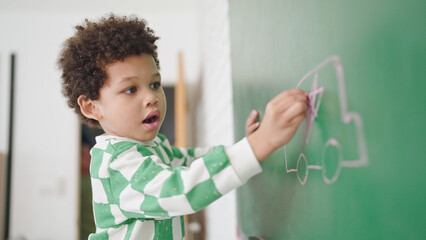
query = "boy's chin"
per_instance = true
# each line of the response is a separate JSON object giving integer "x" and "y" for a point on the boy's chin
{"x": 148, "y": 136}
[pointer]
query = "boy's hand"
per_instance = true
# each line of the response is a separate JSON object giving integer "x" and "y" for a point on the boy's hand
{"x": 252, "y": 124}
{"x": 283, "y": 115}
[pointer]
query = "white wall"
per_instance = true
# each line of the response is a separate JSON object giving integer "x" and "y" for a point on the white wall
{"x": 45, "y": 153}
{"x": 215, "y": 108}
{"x": 174, "y": 21}
{"x": 45, "y": 170}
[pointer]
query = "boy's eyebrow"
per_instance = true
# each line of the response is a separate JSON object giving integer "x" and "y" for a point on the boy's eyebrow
{"x": 125, "y": 79}
{"x": 157, "y": 74}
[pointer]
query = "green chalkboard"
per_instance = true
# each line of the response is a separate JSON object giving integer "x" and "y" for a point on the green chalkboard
{"x": 356, "y": 168}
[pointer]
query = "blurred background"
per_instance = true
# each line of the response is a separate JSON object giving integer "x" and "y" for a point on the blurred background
{"x": 49, "y": 193}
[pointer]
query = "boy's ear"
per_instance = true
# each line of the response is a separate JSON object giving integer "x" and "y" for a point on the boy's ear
{"x": 89, "y": 108}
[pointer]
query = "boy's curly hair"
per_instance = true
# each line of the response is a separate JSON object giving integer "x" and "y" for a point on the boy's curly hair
{"x": 95, "y": 45}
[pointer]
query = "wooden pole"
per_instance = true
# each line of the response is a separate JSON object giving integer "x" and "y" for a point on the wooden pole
{"x": 180, "y": 107}
{"x": 180, "y": 117}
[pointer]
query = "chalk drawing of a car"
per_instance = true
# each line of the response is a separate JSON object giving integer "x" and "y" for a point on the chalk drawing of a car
{"x": 315, "y": 96}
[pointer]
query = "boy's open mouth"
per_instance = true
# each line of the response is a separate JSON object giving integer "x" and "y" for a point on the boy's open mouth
{"x": 152, "y": 121}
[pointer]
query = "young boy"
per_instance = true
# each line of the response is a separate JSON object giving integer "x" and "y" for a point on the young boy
{"x": 141, "y": 185}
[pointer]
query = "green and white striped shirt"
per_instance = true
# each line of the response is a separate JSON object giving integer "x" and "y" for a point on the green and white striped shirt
{"x": 141, "y": 190}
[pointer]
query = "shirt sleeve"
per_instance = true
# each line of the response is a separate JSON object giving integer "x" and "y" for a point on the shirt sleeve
{"x": 145, "y": 187}
{"x": 190, "y": 154}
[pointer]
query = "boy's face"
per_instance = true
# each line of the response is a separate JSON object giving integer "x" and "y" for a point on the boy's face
{"x": 132, "y": 102}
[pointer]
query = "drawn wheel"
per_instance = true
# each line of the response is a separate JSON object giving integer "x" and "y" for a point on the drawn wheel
{"x": 302, "y": 169}
{"x": 331, "y": 161}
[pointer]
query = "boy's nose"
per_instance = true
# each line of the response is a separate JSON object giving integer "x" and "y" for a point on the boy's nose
{"x": 150, "y": 100}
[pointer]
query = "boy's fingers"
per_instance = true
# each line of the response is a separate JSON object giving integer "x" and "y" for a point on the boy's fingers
{"x": 252, "y": 117}
{"x": 298, "y": 119}
{"x": 288, "y": 101}
{"x": 296, "y": 91}
{"x": 253, "y": 128}
{"x": 295, "y": 110}
{"x": 290, "y": 94}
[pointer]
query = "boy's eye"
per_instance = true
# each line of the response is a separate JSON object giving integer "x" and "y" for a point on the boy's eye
{"x": 156, "y": 85}
{"x": 130, "y": 90}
